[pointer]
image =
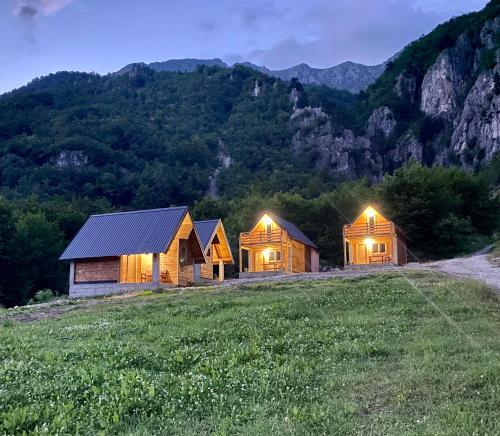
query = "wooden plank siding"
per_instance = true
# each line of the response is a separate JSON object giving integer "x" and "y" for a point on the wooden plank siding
{"x": 97, "y": 270}
{"x": 207, "y": 269}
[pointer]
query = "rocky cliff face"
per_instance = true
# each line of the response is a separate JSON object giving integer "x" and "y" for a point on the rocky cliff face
{"x": 444, "y": 84}
{"x": 455, "y": 105}
{"x": 477, "y": 135}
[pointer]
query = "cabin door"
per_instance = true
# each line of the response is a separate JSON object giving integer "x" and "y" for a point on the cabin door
{"x": 361, "y": 257}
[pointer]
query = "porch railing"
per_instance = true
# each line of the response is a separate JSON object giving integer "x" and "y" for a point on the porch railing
{"x": 360, "y": 230}
{"x": 256, "y": 238}
{"x": 273, "y": 266}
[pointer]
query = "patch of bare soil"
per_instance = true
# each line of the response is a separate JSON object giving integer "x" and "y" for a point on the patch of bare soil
{"x": 478, "y": 267}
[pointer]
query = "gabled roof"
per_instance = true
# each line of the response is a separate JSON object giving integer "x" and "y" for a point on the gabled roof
{"x": 117, "y": 234}
{"x": 293, "y": 231}
{"x": 206, "y": 231}
{"x": 399, "y": 229}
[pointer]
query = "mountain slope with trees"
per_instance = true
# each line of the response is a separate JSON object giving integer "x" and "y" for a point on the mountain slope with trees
{"x": 230, "y": 142}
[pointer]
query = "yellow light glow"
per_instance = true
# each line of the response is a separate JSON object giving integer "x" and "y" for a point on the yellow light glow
{"x": 265, "y": 254}
{"x": 369, "y": 212}
{"x": 369, "y": 242}
{"x": 266, "y": 219}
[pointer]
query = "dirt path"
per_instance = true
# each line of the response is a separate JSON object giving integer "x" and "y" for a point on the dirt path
{"x": 477, "y": 267}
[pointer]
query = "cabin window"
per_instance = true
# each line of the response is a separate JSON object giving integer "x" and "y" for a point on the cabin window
{"x": 269, "y": 228}
{"x": 378, "y": 247}
{"x": 274, "y": 256}
{"x": 183, "y": 251}
{"x": 371, "y": 222}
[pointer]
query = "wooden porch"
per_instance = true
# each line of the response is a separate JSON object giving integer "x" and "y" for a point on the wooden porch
{"x": 266, "y": 251}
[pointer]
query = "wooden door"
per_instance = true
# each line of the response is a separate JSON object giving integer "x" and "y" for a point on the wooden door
{"x": 361, "y": 257}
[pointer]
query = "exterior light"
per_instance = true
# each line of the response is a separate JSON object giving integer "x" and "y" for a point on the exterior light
{"x": 369, "y": 242}
{"x": 370, "y": 212}
{"x": 266, "y": 219}
{"x": 265, "y": 253}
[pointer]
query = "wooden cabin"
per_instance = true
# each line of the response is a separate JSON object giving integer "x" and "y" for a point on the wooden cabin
{"x": 276, "y": 246}
{"x": 373, "y": 239}
{"x": 216, "y": 249}
{"x": 143, "y": 249}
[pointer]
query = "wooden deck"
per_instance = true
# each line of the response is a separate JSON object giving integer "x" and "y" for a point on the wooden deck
{"x": 262, "y": 238}
{"x": 362, "y": 230}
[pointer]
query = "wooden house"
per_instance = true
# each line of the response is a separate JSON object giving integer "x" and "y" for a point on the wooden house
{"x": 216, "y": 249}
{"x": 373, "y": 239}
{"x": 276, "y": 246}
{"x": 135, "y": 250}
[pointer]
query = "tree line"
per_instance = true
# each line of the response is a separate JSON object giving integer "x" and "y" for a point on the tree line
{"x": 444, "y": 211}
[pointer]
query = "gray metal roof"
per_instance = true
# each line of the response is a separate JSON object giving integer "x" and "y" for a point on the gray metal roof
{"x": 205, "y": 230}
{"x": 117, "y": 234}
{"x": 292, "y": 230}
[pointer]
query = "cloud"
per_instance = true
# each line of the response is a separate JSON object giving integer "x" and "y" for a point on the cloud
{"x": 252, "y": 14}
{"x": 327, "y": 33}
{"x": 207, "y": 26}
{"x": 29, "y": 10}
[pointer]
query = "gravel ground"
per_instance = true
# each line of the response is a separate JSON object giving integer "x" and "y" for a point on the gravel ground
{"x": 478, "y": 267}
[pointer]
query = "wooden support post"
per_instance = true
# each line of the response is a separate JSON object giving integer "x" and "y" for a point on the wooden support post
{"x": 345, "y": 247}
{"x": 221, "y": 270}
{"x": 156, "y": 270}
{"x": 241, "y": 257}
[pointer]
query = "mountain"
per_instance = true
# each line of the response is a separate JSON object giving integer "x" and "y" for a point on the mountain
{"x": 144, "y": 138}
{"x": 438, "y": 102}
{"x": 348, "y": 76}
{"x": 176, "y": 65}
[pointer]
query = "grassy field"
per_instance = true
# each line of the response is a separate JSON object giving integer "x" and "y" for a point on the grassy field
{"x": 386, "y": 354}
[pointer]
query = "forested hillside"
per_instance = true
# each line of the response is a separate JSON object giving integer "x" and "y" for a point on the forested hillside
{"x": 149, "y": 139}
{"x": 230, "y": 142}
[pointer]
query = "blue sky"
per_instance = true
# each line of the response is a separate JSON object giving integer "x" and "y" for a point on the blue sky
{"x": 38, "y": 37}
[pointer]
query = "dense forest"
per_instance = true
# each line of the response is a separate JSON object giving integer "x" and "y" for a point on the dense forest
{"x": 223, "y": 142}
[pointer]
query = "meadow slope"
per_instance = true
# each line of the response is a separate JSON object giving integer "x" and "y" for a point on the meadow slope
{"x": 392, "y": 353}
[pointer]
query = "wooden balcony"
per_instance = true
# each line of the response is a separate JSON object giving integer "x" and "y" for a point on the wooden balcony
{"x": 261, "y": 238}
{"x": 365, "y": 230}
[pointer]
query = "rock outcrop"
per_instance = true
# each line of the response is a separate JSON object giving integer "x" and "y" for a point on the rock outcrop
{"x": 381, "y": 122}
{"x": 444, "y": 84}
{"x": 71, "y": 158}
{"x": 341, "y": 152}
{"x": 477, "y": 135}
{"x": 406, "y": 86}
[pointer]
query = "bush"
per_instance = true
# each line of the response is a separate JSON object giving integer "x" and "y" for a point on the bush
{"x": 42, "y": 296}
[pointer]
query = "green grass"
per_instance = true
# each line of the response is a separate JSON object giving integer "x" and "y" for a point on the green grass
{"x": 368, "y": 356}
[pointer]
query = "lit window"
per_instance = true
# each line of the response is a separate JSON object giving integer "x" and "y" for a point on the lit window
{"x": 378, "y": 247}
{"x": 274, "y": 256}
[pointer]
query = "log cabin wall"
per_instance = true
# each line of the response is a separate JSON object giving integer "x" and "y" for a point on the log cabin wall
{"x": 298, "y": 257}
{"x": 207, "y": 269}
{"x": 186, "y": 263}
{"x": 97, "y": 270}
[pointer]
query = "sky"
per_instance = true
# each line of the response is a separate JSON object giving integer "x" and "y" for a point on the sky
{"x": 38, "y": 37}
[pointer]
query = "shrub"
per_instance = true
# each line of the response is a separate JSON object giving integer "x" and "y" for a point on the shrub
{"x": 42, "y": 296}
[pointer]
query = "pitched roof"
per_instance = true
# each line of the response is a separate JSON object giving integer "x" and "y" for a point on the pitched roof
{"x": 206, "y": 230}
{"x": 117, "y": 234}
{"x": 293, "y": 231}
